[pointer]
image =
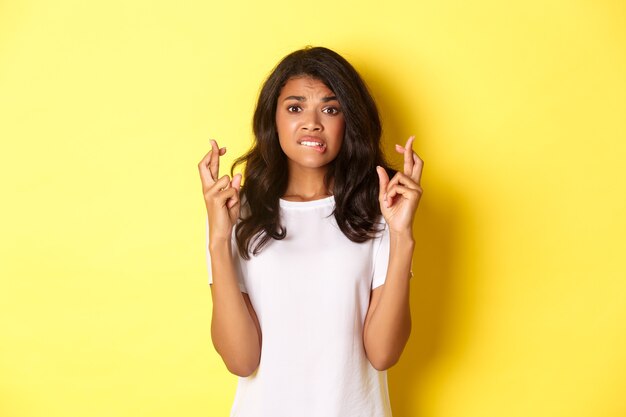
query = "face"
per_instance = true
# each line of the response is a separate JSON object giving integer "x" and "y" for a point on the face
{"x": 310, "y": 123}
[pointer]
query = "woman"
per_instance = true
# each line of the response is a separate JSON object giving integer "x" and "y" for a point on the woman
{"x": 310, "y": 259}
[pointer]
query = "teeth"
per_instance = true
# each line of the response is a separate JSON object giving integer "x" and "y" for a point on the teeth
{"x": 307, "y": 143}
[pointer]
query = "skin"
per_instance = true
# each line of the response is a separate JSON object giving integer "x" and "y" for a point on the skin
{"x": 308, "y": 110}
{"x": 305, "y": 108}
{"x": 388, "y": 321}
{"x": 235, "y": 329}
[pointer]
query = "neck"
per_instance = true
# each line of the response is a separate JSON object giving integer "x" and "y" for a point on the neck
{"x": 306, "y": 185}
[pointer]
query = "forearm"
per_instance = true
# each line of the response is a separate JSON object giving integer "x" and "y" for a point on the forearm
{"x": 233, "y": 330}
{"x": 389, "y": 326}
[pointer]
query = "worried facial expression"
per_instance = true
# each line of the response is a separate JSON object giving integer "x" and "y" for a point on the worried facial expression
{"x": 310, "y": 123}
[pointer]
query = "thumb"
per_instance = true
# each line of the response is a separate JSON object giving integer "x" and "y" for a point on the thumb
{"x": 236, "y": 182}
{"x": 383, "y": 181}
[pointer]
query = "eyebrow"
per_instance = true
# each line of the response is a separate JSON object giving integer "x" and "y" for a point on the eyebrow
{"x": 302, "y": 98}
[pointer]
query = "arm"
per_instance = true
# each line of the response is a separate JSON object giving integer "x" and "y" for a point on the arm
{"x": 387, "y": 324}
{"x": 235, "y": 330}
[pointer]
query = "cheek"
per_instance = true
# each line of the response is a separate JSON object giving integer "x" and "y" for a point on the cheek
{"x": 339, "y": 129}
{"x": 282, "y": 129}
{"x": 283, "y": 125}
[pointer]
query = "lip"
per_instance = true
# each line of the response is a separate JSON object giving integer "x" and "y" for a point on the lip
{"x": 320, "y": 149}
{"x": 311, "y": 139}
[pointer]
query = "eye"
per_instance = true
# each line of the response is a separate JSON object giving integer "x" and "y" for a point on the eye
{"x": 331, "y": 110}
{"x": 294, "y": 109}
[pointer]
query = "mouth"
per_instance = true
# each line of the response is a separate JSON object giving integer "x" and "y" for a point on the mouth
{"x": 313, "y": 143}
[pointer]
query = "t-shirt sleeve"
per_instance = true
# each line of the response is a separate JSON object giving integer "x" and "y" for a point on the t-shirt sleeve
{"x": 381, "y": 256}
{"x": 235, "y": 252}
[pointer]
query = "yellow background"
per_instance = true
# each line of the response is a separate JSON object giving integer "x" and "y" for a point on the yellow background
{"x": 519, "y": 296}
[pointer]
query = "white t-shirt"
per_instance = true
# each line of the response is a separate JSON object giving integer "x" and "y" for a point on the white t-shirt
{"x": 311, "y": 293}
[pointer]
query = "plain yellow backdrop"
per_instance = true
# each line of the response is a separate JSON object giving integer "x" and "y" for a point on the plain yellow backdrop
{"x": 519, "y": 295}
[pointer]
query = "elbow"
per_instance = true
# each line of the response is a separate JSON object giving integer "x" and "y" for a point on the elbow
{"x": 383, "y": 362}
{"x": 240, "y": 363}
{"x": 383, "y": 356}
{"x": 242, "y": 370}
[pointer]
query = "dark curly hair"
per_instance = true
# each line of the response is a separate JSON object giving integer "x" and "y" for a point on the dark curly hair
{"x": 353, "y": 171}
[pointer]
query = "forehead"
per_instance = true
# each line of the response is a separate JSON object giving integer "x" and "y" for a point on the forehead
{"x": 305, "y": 86}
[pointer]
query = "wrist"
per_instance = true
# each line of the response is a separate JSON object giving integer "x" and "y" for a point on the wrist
{"x": 218, "y": 245}
{"x": 403, "y": 238}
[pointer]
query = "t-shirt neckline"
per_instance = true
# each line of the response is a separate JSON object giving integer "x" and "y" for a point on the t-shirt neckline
{"x": 306, "y": 204}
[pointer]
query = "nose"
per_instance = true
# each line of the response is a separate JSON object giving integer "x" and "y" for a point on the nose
{"x": 311, "y": 122}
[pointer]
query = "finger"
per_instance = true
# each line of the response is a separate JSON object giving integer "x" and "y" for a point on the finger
{"x": 234, "y": 200}
{"x": 223, "y": 197}
{"x": 403, "y": 191}
{"x": 402, "y": 179}
{"x": 418, "y": 167}
{"x": 204, "y": 163}
{"x": 416, "y": 173}
{"x": 383, "y": 180}
{"x": 408, "y": 156}
{"x": 236, "y": 182}
{"x": 221, "y": 184}
{"x": 401, "y": 148}
{"x": 205, "y": 174}
{"x": 214, "y": 163}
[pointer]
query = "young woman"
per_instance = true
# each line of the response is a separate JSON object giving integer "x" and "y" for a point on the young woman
{"x": 310, "y": 259}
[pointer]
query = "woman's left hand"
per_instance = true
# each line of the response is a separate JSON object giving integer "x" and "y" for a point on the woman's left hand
{"x": 400, "y": 197}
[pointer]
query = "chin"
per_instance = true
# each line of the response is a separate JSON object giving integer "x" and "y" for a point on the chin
{"x": 307, "y": 164}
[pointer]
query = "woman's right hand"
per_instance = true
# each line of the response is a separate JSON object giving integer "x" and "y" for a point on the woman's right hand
{"x": 221, "y": 196}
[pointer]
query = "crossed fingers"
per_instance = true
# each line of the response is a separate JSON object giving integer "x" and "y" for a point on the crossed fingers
{"x": 413, "y": 165}
{"x": 210, "y": 164}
